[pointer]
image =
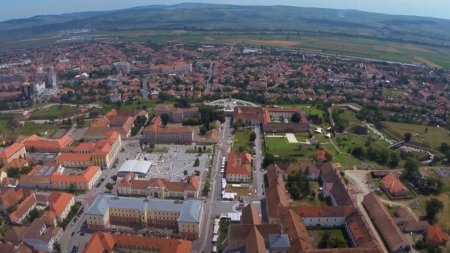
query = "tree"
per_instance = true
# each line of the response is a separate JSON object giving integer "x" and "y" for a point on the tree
{"x": 359, "y": 152}
{"x": 109, "y": 186}
{"x": 407, "y": 137}
{"x": 433, "y": 207}
{"x": 206, "y": 188}
{"x": 164, "y": 119}
{"x": 296, "y": 117}
{"x": 152, "y": 145}
{"x": 11, "y": 209}
{"x": 72, "y": 188}
{"x": 34, "y": 214}
{"x": 252, "y": 136}
{"x": 197, "y": 162}
{"x": 56, "y": 247}
{"x": 203, "y": 130}
{"x": 394, "y": 160}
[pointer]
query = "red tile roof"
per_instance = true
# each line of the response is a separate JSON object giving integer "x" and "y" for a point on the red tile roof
{"x": 101, "y": 242}
{"x": 11, "y": 150}
{"x": 59, "y": 201}
{"x": 239, "y": 164}
{"x": 436, "y": 236}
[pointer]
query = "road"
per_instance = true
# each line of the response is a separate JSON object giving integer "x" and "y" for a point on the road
{"x": 210, "y": 206}
{"x": 258, "y": 174}
{"x": 211, "y": 70}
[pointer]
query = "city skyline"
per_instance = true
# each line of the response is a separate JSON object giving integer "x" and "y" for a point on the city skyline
{"x": 27, "y": 8}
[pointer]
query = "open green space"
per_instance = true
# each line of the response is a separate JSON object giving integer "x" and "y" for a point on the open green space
{"x": 223, "y": 233}
{"x": 315, "y": 199}
{"x": 346, "y": 115}
{"x": 347, "y": 141}
{"x": 281, "y": 148}
{"x": 242, "y": 140}
{"x": 54, "y": 112}
{"x": 28, "y": 128}
{"x": 433, "y": 137}
{"x": 336, "y": 235}
{"x": 313, "y": 111}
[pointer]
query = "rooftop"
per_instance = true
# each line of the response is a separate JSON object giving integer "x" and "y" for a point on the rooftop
{"x": 190, "y": 210}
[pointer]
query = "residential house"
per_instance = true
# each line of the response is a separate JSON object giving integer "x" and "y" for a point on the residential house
{"x": 435, "y": 236}
{"x": 392, "y": 185}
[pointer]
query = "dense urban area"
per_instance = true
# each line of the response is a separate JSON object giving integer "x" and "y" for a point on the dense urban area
{"x": 163, "y": 147}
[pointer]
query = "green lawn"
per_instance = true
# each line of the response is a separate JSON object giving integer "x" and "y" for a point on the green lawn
{"x": 313, "y": 111}
{"x": 139, "y": 104}
{"x": 347, "y": 115}
{"x": 347, "y": 141}
{"x": 432, "y": 139}
{"x": 54, "y": 112}
{"x": 242, "y": 140}
{"x": 28, "y": 128}
{"x": 316, "y": 235}
{"x": 280, "y": 147}
{"x": 316, "y": 201}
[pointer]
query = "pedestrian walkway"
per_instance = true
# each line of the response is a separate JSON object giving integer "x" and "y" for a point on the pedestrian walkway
{"x": 291, "y": 138}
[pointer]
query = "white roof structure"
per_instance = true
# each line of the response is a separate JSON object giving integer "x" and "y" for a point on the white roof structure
{"x": 135, "y": 166}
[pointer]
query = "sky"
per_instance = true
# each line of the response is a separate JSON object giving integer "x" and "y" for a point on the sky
{"x": 12, "y": 9}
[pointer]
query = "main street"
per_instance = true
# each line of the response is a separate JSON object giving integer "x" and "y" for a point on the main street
{"x": 203, "y": 244}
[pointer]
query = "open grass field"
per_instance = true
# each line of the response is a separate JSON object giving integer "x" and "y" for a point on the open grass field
{"x": 347, "y": 115}
{"x": 242, "y": 140}
{"x": 313, "y": 111}
{"x": 54, "y": 112}
{"x": 280, "y": 147}
{"x": 432, "y": 139}
{"x": 347, "y": 141}
{"x": 28, "y": 128}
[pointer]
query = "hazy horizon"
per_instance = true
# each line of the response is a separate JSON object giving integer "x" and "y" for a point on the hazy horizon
{"x": 15, "y": 9}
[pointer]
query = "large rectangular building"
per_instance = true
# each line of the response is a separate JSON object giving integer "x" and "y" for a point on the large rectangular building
{"x": 167, "y": 134}
{"x": 184, "y": 216}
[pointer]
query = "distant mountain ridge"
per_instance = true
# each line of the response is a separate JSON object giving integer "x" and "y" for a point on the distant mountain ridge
{"x": 215, "y": 17}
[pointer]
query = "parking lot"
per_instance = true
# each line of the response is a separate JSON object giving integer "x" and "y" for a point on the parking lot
{"x": 173, "y": 163}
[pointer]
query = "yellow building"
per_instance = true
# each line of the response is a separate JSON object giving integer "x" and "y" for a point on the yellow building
{"x": 183, "y": 216}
